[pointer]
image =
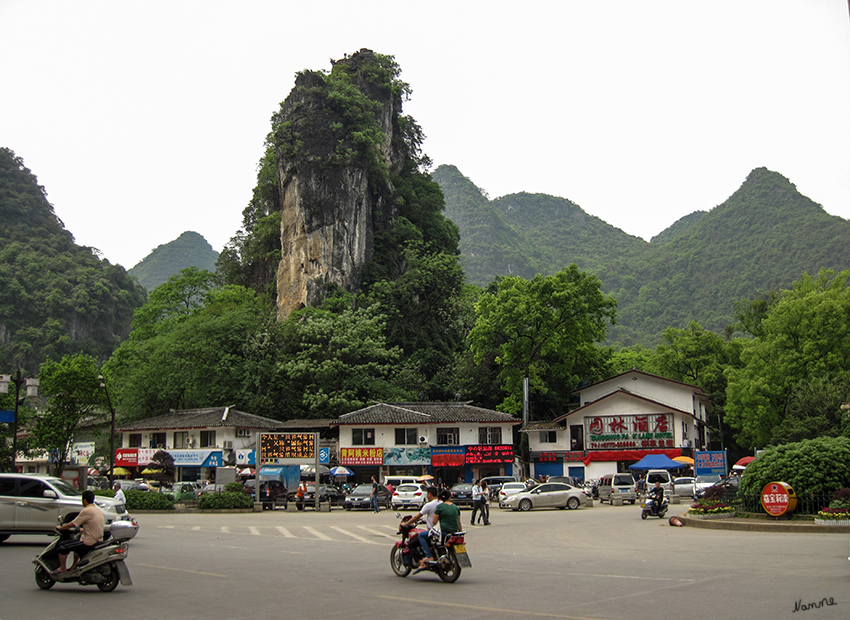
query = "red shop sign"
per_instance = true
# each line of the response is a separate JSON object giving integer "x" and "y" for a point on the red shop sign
{"x": 778, "y": 498}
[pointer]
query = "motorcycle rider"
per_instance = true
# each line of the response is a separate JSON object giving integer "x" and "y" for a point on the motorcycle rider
{"x": 427, "y": 514}
{"x": 657, "y": 495}
{"x": 90, "y": 522}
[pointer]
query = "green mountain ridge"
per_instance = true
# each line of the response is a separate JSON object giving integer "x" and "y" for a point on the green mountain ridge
{"x": 761, "y": 238}
{"x": 190, "y": 249}
{"x": 56, "y": 297}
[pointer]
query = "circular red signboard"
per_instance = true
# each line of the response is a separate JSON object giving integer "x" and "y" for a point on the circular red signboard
{"x": 778, "y": 498}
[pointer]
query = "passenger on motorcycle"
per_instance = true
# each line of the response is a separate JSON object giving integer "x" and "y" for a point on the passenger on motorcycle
{"x": 657, "y": 495}
{"x": 427, "y": 514}
{"x": 90, "y": 522}
{"x": 448, "y": 515}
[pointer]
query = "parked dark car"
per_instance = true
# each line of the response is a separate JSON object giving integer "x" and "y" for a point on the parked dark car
{"x": 462, "y": 494}
{"x": 494, "y": 484}
{"x": 359, "y": 497}
{"x": 727, "y": 489}
{"x": 327, "y": 493}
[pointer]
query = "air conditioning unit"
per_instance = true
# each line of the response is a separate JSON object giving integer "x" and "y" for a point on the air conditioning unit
{"x": 243, "y": 432}
{"x": 423, "y": 439}
{"x": 228, "y": 445}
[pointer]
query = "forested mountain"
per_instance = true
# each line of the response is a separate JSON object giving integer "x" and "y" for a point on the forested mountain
{"x": 762, "y": 238}
{"x": 55, "y": 297}
{"x": 188, "y": 250}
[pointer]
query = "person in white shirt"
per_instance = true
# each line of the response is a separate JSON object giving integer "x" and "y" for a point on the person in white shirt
{"x": 427, "y": 514}
{"x": 119, "y": 494}
{"x": 477, "y": 494}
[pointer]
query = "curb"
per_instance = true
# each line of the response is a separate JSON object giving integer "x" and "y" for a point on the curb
{"x": 763, "y": 525}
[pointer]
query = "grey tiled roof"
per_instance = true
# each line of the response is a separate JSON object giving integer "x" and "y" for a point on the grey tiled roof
{"x": 198, "y": 418}
{"x": 424, "y": 413}
{"x": 319, "y": 423}
{"x": 542, "y": 426}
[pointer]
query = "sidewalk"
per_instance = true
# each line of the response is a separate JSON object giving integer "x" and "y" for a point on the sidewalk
{"x": 763, "y": 525}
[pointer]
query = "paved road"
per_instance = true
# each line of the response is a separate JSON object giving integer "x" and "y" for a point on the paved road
{"x": 600, "y": 563}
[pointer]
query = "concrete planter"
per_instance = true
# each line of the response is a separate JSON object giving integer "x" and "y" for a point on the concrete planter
{"x": 832, "y": 521}
{"x": 719, "y": 515}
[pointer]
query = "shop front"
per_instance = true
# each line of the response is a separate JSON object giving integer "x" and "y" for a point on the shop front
{"x": 191, "y": 465}
{"x": 489, "y": 460}
{"x": 364, "y": 462}
{"x": 448, "y": 464}
{"x": 406, "y": 461}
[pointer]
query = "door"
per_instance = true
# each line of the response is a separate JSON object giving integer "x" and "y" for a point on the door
{"x": 7, "y": 503}
{"x": 546, "y": 494}
{"x": 33, "y": 511}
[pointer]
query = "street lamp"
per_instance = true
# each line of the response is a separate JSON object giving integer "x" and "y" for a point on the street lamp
{"x": 112, "y": 434}
{"x": 32, "y": 390}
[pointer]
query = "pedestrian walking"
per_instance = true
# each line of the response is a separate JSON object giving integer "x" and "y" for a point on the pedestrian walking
{"x": 476, "y": 499}
{"x": 485, "y": 503}
{"x": 373, "y": 498}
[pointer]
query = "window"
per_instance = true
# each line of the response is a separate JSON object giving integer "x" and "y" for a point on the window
{"x": 7, "y": 488}
{"x": 180, "y": 440}
{"x": 548, "y": 436}
{"x": 135, "y": 440}
{"x": 406, "y": 437}
{"x": 448, "y": 436}
{"x": 490, "y": 435}
{"x": 362, "y": 436}
{"x": 31, "y": 488}
{"x": 207, "y": 439}
{"x": 577, "y": 437}
{"x": 158, "y": 440}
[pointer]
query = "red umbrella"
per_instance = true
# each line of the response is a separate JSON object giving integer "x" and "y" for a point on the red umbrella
{"x": 743, "y": 462}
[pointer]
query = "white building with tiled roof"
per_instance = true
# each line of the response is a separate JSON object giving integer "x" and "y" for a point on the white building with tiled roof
{"x": 452, "y": 441}
{"x": 619, "y": 421}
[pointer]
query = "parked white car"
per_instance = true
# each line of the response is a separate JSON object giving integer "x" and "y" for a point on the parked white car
{"x": 409, "y": 496}
{"x": 510, "y": 488}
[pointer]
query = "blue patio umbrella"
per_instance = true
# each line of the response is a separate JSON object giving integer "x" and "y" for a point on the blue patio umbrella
{"x": 656, "y": 461}
{"x": 339, "y": 470}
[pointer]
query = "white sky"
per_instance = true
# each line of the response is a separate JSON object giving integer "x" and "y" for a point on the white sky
{"x": 146, "y": 119}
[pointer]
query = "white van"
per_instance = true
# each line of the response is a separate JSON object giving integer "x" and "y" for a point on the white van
{"x": 397, "y": 481}
{"x": 622, "y": 485}
{"x": 659, "y": 475}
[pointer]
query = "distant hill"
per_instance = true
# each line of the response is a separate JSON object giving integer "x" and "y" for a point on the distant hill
{"x": 763, "y": 237}
{"x": 56, "y": 297}
{"x": 189, "y": 250}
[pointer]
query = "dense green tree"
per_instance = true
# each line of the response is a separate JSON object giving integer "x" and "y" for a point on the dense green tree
{"x": 341, "y": 361}
{"x": 804, "y": 338}
{"x": 74, "y": 399}
{"x": 546, "y": 329}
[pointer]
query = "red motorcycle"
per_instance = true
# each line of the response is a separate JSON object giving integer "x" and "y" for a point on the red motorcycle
{"x": 449, "y": 556}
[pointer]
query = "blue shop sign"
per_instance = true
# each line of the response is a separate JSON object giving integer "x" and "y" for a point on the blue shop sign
{"x": 710, "y": 463}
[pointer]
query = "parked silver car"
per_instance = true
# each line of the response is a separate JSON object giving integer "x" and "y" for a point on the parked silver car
{"x": 32, "y": 504}
{"x": 547, "y": 495}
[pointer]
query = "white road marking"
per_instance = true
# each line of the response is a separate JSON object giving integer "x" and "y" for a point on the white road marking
{"x": 375, "y": 532}
{"x": 285, "y": 531}
{"x": 317, "y": 533}
{"x": 355, "y": 536}
{"x": 254, "y": 530}
{"x": 225, "y": 529}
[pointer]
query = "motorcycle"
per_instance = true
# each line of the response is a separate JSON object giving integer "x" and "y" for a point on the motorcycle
{"x": 103, "y": 566}
{"x": 648, "y": 507}
{"x": 449, "y": 557}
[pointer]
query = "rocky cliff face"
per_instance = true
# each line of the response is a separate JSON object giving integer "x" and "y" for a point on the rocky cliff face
{"x": 337, "y": 142}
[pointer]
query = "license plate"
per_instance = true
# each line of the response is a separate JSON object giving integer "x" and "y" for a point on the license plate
{"x": 460, "y": 548}
{"x": 404, "y": 501}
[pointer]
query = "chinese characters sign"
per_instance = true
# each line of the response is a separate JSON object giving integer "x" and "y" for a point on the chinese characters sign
{"x": 287, "y": 448}
{"x": 652, "y": 430}
{"x": 487, "y": 454}
{"x": 361, "y": 456}
{"x": 708, "y": 463}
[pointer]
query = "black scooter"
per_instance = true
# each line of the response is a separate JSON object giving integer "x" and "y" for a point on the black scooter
{"x": 103, "y": 566}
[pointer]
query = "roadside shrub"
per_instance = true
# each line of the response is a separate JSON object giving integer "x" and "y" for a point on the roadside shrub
{"x": 228, "y": 499}
{"x": 235, "y": 487}
{"x": 812, "y": 467}
{"x": 104, "y": 493}
{"x": 146, "y": 500}
{"x": 841, "y": 499}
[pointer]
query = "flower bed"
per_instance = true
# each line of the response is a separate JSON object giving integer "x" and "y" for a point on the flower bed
{"x": 710, "y": 510}
{"x": 833, "y": 516}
